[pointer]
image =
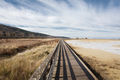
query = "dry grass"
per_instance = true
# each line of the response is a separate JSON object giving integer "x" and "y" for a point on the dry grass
{"x": 22, "y": 65}
{"x": 9, "y": 47}
{"x": 105, "y": 63}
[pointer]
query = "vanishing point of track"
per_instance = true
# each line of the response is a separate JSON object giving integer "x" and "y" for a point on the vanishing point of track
{"x": 63, "y": 64}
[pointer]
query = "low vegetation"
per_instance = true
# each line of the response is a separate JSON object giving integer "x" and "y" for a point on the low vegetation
{"x": 10, "y": 47}
{"x": 22, "y": 65}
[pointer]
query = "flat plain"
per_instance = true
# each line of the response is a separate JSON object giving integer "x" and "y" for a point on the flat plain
{"x": 9, "y": 47}
{"x": 19, "y": 65}
{"x": 101, "y": 55}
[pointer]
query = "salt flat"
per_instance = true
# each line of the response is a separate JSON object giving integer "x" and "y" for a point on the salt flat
{"x": 102, "y": 55}
{"x": 112, "y": 46}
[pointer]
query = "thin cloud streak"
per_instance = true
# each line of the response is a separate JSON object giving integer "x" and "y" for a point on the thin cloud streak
{"x": 81, "y": 16}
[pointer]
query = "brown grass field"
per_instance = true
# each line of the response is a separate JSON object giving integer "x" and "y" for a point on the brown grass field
{"x": 105, "y": 63}
{"x": 10, "y": 47}
{"x": 23, "y": 64}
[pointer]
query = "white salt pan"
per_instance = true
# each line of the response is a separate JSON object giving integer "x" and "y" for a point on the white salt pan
{"x": 106, "y": 46}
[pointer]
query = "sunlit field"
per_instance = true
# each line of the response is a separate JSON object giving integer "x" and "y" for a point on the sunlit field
{"x": 23, "y": 64}
{"x": 9, "y": 47}
{"x": 102, "y": 55}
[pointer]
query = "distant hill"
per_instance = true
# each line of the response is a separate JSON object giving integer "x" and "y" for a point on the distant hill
{"x": 13, "y": 32}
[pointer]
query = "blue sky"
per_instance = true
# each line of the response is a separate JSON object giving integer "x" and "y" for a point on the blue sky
{"x": 71, "y": 18}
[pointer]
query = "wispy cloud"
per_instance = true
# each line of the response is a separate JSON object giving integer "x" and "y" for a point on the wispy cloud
{"x": 73, "y": 18}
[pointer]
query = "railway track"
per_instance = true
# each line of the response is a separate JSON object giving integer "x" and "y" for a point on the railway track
{"x": 63, "y": 64}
